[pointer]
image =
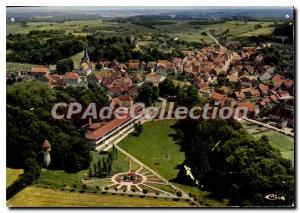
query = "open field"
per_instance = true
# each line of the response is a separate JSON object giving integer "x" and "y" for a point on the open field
{"x": 262, "y": 31}
{"x": 40, "y": 197}
{"x": 180, "y": 29}
{"x": 68, "y": 26}
{"x": 76, "y": 27}
{"x": 57, "y": 178}
{"x": 76, "y": 58}
{"x": 12, "y": 175}
{"x": 157, "y": 149}
{"x": 240, "y": 29}
{"x": 284, "y": 143}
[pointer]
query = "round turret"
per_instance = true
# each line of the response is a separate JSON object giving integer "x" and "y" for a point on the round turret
{"x": 46, "y": 146}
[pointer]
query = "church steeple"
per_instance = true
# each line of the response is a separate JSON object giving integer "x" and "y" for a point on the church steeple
{"x": 86, "y": 57}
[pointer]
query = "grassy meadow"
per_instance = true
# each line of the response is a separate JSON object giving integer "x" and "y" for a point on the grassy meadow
{"x": 158, "y": 150}
{"x": 40, "y": 197}
{"x": 12, "y": 175}
{"x": 179, "y": 29}
{"x": 284, "y": 143}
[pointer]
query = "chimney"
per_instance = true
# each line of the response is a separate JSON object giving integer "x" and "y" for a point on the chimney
{"x": 90, "y": 121}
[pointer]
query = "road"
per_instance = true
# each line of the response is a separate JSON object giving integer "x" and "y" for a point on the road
{"x": 232, "y": 54}
{"x": 216, "y": 40}
{"x": 270, "y": 127}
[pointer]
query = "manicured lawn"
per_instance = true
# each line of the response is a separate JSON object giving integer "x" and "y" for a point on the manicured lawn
{"x": 12, "y": 175}
{"x": 57, "y": 178}
{"x": 40, "y": 197}
{"x": 282, "y": 142}
{"x": 156, "y": 148}
{"x": 122, "y": 164}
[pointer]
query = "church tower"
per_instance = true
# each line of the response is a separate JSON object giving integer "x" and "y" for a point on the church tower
{"x": 86, "y": 57}
{"x": 46, "y": 151}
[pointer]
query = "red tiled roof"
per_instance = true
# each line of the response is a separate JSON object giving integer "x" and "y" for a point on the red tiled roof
{"x": 187, "y": 52}
{"x": 133, "y": 61}
{"x": 273, "y": 98}
{"x": 267, "y": 100}
{"x": 283, "y": 94}
{"x": 217, "y": 97}
{"x": 195, "y": 68}
{"x": 46, "y": 144}
{"x": 254, "y": 92}
{"x": 264, "y": 88}
{"x": 250, "y": 106}
{"x": 202, "y": 85}
{"x": 72, "y": 75}
{"x": 98, "y": 133}
{"x": 111, "y": 125}
{"x": 125, "y": 98}
{"x": 39, "y": 70}
{"x": 224, "y": 89}
{"x": 278, "y": 80}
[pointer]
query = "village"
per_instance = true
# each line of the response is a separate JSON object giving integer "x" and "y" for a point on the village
{"x": 150, "y": 107}
{"x": 220, "y": 76}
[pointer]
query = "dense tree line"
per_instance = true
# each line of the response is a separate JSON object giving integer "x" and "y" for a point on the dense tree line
{"x": 168, "y": 88}
{"x": 185, "y": 96}
{"x": 148, "y": 93}
{"x": 232, "y": 164}
{"x": 120, "y": 48}
{"x": 285, "y": 29}
{"x": 110, "y": 48}
{"x": 64, "y": 65}
{"x": 42, "y": 47}
{"x": 29, "y": 123}
{"x": 281, "y": 58}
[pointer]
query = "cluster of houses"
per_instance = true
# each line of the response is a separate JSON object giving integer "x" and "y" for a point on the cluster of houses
{"x": 255, "y": 86}
{"x": 252, "y": 85}
{"x": 69, "y": 79}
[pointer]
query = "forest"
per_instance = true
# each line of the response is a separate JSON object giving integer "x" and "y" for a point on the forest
{"x": 29, "y": 123}
{"x": 42, "y": 47}
{"x": 230, "y": 163}
{"x": 122, "y": 49}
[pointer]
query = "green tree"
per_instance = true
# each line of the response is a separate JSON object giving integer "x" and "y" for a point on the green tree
{"x": 105, "y": 168}
{"x": 167, "y": 87}
{"x": 148, "y": 93}
{"x": 189, "y": 97}
{"x": 229, "y": 162}
{"x": 99, "y": 168}
{"x": 96, "y": 169}
{"x": 138, "y": 128}
{"x": 90, "y": 172}
{"x": 65, "y": 65}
